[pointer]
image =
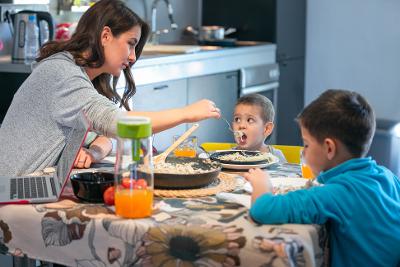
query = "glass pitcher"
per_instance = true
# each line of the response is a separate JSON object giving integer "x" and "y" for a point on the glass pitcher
{"x": 134, "y": 167}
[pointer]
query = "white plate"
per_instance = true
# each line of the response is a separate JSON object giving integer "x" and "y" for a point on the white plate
{"x": 283, "y": 182}
{"x": 249, "y": 166}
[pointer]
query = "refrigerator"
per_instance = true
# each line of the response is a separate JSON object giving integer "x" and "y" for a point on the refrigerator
{"x": 282, "y": 22}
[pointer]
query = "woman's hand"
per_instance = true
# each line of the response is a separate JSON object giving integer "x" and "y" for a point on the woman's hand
{"x": 166, "y": 119}
{"x": 260, "y": 182}
{"x": 84, "y": 159}
{"x": 98, "y": 149}
{"x": 200, "y": 110}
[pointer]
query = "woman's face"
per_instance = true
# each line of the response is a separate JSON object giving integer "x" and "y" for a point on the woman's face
{"x": 119, "y": 51}
{"x": 247, "y": 119}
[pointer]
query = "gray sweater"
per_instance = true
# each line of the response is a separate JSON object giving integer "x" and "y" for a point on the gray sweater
{"x": 34, "y": 131}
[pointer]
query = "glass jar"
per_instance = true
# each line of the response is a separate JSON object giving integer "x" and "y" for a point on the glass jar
{"x": 187, "y": 148}
{"x": 306, "y": 171}
{"x": 134, "y": 168}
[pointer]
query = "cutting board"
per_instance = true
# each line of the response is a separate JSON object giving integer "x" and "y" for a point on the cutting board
{"x": 171, "y": 49}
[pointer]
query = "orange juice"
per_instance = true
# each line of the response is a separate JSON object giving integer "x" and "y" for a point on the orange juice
{"x": 135, "y": 203}
{"x": 306, "y": 171}
{"x": 185, "y": 152}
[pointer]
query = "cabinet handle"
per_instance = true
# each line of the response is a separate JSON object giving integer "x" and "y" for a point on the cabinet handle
{"x": 164, "y": 86}
{"x": 230, "y": 76}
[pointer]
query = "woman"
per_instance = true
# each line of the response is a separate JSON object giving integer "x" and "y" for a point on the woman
{"x": 74, "y": 75}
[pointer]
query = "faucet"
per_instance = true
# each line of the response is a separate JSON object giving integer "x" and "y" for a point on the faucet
{"x": 154, "y": 32}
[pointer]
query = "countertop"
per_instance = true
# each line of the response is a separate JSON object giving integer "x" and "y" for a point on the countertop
{"x": 152, "y": 68}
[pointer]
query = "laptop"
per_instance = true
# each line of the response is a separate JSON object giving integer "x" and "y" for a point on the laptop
{"x": 46, "y": 188}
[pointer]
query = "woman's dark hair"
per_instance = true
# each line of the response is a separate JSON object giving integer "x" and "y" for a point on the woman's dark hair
{"x": 267, "y": 108}
{"x": 87, "y": 38}
{"x": 343, "y": 115}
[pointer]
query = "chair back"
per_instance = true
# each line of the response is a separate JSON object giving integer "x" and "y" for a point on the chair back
{"x": 291, "y": 153}
{"x": 210, "y": 146}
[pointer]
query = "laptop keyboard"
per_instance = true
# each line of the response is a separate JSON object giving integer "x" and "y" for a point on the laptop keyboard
{"x": 30, "y": 187}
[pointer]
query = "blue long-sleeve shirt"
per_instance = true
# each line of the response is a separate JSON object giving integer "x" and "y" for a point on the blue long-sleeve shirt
{"x": 360, "y": 200}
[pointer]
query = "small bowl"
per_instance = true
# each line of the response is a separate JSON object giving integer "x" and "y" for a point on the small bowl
{"x": 90, "y": 186}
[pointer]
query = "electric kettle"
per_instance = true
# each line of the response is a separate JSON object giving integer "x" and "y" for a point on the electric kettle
{"x": 46, "y": 31}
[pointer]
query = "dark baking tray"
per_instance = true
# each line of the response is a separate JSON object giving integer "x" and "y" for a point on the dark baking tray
{"x": 188, "y": 181}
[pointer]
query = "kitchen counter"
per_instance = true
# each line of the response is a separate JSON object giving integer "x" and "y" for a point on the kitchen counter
{"x": 153, "y": 68}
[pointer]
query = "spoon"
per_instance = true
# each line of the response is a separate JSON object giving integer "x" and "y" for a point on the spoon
{"x": 237, "y": 134}
{"x": 161, "y": 157}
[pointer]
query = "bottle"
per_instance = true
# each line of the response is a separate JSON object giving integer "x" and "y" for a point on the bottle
{"x": 134, "y": 168}
{"x": 31, "y": 39}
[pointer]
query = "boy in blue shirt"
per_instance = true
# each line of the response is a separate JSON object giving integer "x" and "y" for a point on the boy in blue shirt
{"x": 359, "y": 199}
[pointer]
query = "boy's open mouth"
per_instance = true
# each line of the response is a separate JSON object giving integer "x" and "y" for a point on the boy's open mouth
{"x": 242, "y": 138}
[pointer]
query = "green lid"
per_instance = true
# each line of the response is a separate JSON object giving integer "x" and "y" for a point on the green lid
{"x": 133, "y": 127}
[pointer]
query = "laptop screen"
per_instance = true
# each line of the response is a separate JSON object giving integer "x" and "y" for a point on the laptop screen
{"x": 72, "y": 146}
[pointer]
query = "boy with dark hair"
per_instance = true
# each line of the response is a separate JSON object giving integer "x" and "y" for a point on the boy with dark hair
{"x": 359, "y": 199}
{"x": 253, "y": 119}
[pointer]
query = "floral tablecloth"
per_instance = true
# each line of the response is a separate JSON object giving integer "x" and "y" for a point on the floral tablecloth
{"x": 182, "y": 232}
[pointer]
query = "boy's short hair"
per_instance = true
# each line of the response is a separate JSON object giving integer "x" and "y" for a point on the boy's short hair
{"x": 341, "y": 114}
{"x": 267, "y": 109}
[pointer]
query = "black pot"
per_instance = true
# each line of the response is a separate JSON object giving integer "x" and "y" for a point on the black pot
{"x": 188, "y": 181}
{"x": 90, "y": 186}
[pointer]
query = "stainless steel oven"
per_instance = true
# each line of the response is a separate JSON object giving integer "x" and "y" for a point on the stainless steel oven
{"x": 264, "y": 80}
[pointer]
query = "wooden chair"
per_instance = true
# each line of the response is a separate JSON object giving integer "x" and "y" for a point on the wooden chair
{"x": 291, "y": 153}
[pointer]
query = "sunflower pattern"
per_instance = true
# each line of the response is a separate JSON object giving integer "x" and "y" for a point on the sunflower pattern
{"x": 206, "y": 245}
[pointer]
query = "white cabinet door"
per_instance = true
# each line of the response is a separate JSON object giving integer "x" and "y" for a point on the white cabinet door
{"x": 160, "y": 96}
{"x": 223, "y": 89}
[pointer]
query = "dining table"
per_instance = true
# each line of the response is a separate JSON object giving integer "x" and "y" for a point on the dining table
{"x": 211, "y": 230}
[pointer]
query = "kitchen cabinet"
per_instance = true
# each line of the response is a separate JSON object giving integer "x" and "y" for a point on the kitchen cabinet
{"x": 160, "y": 96}
{"x": 223, "y": 89}
{"x": 10, "y": 82}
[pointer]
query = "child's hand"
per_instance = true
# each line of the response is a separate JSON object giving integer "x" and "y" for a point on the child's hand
{"x": 84, "y": 159}
{"x": 260, "y": 182}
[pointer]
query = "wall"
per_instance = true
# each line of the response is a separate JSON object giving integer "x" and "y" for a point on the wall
{"x": 355, "y": 45}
